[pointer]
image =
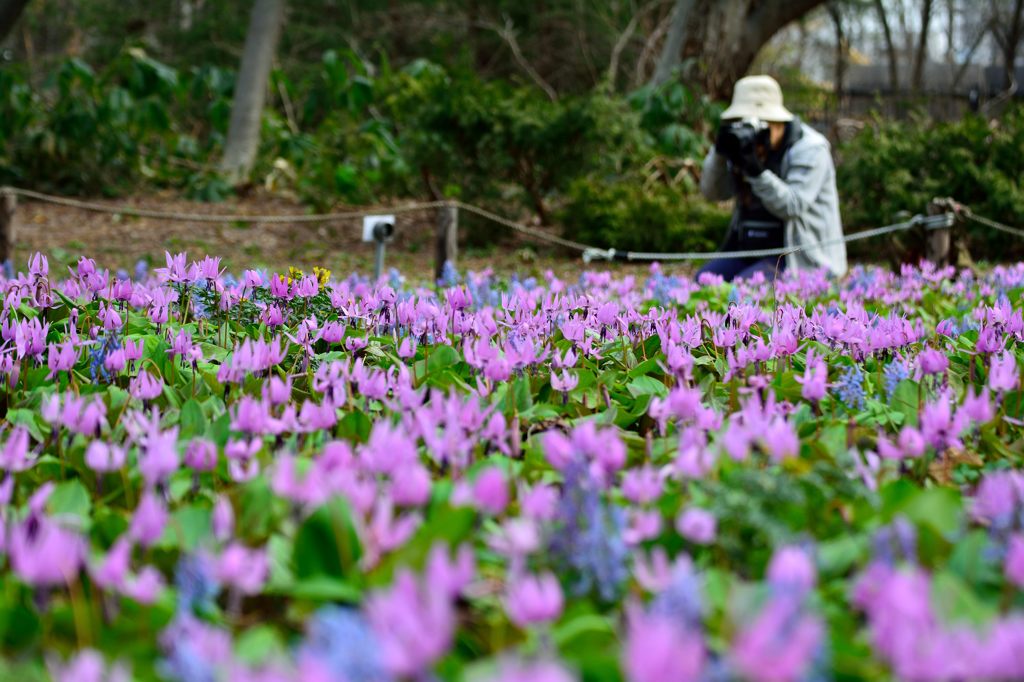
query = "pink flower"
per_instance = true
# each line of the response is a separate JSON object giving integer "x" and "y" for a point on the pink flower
{"x": 447, "y": 575}
{"x": 534, "y": 599}
{"x": 149, "y": 520}
{"x": 146, "y": 386}
{"x": 103, "y": 457}
{"x": 697, "y": 525}
{"x": 414, "y": 624}
{"x": 792, "y": 567}
{"x": 643, "y": 485}
{"x": 1002, "y": 374}
{"x": 781, "y": 440}
{"x": 88, "y": 665}
{"x": 490, "y": 490}
{"x": 564, "y": 382}
{"x": 933, "y": 361}
{"x": 14, "y": 456}
{"x": 1014, "y": 566}
{"x": 815, "y": 378}
{"x": 410, "y": 486}
{"x": 44, "y": 554}
{"x": 660, "y": 649}
{"x": 223, "y": 519}
{"x": 533, "y": 671}
{"x": 539, "y": 502}
{"x": 242, "y": 568}
{"x": 779, "y": 645}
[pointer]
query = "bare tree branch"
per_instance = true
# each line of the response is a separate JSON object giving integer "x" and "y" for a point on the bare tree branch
{"x": 507, "y": 33}
{"x": 10, "y": 10}
{"x": 623, "y": 40}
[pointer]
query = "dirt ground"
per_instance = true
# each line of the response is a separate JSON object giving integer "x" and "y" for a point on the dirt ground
{"x": 118, "y": 241}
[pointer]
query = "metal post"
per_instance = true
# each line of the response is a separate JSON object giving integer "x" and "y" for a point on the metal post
{"x": 447, "y": 247}
{"x": 938, "y": 242}
{"x": 8, "y": 208}
{"x": 378, "y": 260}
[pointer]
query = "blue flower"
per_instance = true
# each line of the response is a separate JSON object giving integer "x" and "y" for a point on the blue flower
{"x": 681, "y": 600}
{"x": 851, "y": 387}
{"x": 449, "y": 275}
{"x": 104, "y": 345}
{"x": 588, "y": 537}
{"x": 895, "y": 372}
{"x": 196, "y": 585}
{"x": 343, "y": 642}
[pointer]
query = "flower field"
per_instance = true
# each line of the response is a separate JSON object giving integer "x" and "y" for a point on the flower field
{"x": 292, "y": 477}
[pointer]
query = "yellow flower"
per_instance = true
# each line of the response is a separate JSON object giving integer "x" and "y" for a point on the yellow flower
{"x": 322, "y": 275}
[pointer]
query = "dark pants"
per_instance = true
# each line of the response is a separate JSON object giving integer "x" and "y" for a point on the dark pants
{"x": 744, "y": 268}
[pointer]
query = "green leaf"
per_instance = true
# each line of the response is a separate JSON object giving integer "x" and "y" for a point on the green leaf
{"x": 906, "y": 401}
{"x": 955, "y": 602}
{"x": 645, "y": 385}
{"x": 192, "y": 421}
{"x": 70, "y": 499}
{"x": 581, "y": 629}
{"x": 327, "y": 543}
{"x": 258, "y": 645}
{"x": 838, "y": 555}
{"x": 187, "y": 527}
{"x": 321, "y": 588}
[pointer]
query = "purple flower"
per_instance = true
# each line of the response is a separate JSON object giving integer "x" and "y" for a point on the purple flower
{"x": 514, "y": 670}
{"x": 932, "y": 361}
{"x": 815, "y": 378}
{"x": 660, "y": 649}
{"x": 44, "y": 554}
{"x": 149, "y": 520}
{"x": 1014, "y": 565}
{"x": 791, "y": 567}
{"x": 104, "y": 457}
{"x": 533, "y": 599}
{"x": 413, "y": 623}
{"x": 242, "y": 568}
{"x": 697, "y": 525}
{"x": 779, "y": 645}
{"x": 1002, "y": 374}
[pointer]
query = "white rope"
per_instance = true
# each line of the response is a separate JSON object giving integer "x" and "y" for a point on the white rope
{"x": 935, "y": 222}
{"x": 590, "y": 253}
{"x": 210, "y": 217}
{"x": 988, "y": 222}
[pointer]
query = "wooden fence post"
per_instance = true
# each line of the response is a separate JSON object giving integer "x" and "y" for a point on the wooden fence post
{"x": 938, "y": 242}
{"x": 8, "y": 208}
{"x": 447, "y": 249}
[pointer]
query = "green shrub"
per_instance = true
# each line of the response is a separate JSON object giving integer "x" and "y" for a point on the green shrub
{"x": 900, "y": 166}
{"x": 624, "y": 215}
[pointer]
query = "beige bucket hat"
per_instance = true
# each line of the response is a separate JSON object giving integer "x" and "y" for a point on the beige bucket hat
{"x": 757, "y": 97}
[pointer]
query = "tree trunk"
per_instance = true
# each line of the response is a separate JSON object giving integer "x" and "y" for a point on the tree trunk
{"x": 251, "y": 89}
{"x": 1009, "y": 36}
{"x": 10, "y": 10}
{"x": 950, "y": 32}
{"x": 890, "y": 47}
{"x": 671, "y": 51}
{"x": 722, "y": 38}
{"x": 841, "y": 49}
{"x": 921, "y": 55}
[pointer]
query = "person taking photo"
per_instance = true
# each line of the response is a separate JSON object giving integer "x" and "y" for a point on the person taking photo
{"x": 781, "y": 174}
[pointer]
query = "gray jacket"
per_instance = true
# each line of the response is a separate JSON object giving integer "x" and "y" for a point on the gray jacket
{"x": 805, "y": 197}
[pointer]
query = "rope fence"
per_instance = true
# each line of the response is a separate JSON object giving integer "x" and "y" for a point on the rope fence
{"x": 945, "y": 213}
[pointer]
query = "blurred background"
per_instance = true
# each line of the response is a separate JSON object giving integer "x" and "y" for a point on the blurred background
{"x": 587, "y": 118}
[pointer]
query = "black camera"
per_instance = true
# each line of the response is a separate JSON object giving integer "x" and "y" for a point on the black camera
{"x": 735, "y": 137}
